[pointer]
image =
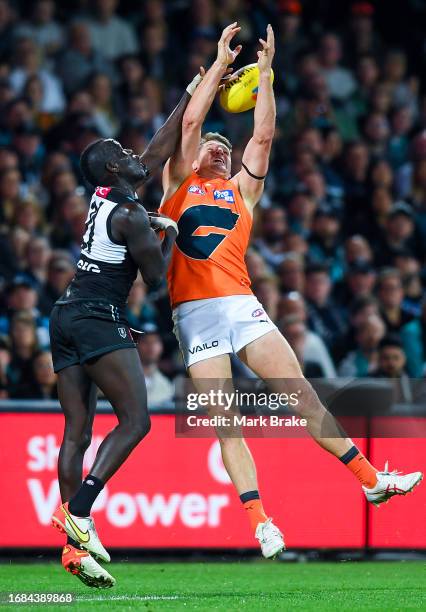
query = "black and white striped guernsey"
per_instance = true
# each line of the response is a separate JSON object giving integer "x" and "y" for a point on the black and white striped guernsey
{"x": 105, "y": 270}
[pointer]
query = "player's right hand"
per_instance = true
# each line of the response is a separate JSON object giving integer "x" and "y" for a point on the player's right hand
{"x": 225, "y": 55}
{"x": 266, "y": 54}
{"x": 161, "y": 223}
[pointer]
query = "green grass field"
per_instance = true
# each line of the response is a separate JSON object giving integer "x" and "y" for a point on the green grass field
{"x": 253, "y": 586}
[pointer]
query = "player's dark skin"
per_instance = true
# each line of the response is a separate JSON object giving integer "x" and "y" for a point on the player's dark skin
{"x": 118, "y": 374}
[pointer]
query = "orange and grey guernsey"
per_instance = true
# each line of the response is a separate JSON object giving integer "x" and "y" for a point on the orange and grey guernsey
{"x": 214, "y": 230}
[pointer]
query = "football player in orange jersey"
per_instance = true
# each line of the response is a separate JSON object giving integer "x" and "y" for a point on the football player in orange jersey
{"x": 214, "y": 310}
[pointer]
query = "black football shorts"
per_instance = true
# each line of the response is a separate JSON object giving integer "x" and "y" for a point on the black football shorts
{"x": 82, "y": 330}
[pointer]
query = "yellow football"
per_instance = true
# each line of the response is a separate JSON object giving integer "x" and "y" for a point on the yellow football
{"x": 240, "y": 94}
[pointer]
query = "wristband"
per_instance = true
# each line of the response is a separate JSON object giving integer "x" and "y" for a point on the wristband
{"x": 194, "y": 83}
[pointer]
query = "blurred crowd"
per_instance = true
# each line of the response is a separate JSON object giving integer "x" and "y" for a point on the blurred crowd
{"x": 337, "y": 256}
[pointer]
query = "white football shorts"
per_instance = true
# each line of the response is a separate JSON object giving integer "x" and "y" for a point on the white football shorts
{"x": 217, "y": 326}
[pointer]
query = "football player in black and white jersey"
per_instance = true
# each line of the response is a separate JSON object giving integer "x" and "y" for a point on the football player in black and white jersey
{"x": 91, "y": 342}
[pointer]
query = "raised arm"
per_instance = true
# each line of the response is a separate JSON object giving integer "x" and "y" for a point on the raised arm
{"x": 256, "y": 155}
{"x": 165, "y": 140}
{"x": 132, "y": 224}
{"x": 179, "y": 166}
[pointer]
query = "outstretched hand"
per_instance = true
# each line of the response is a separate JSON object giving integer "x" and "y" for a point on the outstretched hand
{"x": 266, "y": 54}
{"x": 225, "y": 55}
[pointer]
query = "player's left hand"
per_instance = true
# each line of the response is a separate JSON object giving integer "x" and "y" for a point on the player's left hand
{"x": 266, "y": 54}
{"x": 227, "y": 78}
{"x": 160, "y": 222}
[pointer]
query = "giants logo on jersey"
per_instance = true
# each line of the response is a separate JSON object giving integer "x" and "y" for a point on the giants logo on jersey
{"x": 202, "y": 229}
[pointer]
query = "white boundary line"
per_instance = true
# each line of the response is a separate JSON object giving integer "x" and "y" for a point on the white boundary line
{"x": 82, "y": 598}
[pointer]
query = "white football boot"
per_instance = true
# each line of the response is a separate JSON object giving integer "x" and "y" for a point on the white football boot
{"x": 270, "y": 539}
{"x": 81, "y": 564}
{"x": 390, "y": 484}
{"x": 80, "y": 529}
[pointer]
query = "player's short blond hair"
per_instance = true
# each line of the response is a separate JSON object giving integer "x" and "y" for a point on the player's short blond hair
{"x": 216, "y": 136}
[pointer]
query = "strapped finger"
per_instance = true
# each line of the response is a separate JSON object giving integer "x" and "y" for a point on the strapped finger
{"x": 226, "y": 30}
{"x": 271, "y": 38}
{"x": 231, "y": 34}
{"x": 229, "y": 28}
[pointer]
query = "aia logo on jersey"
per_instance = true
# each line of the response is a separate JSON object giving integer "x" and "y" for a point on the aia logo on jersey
{"x": 224, "y": 194}
{"x": 197, "y": 190}
{"x": 257, "y": 313}
{"x": 102, "y": 192}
